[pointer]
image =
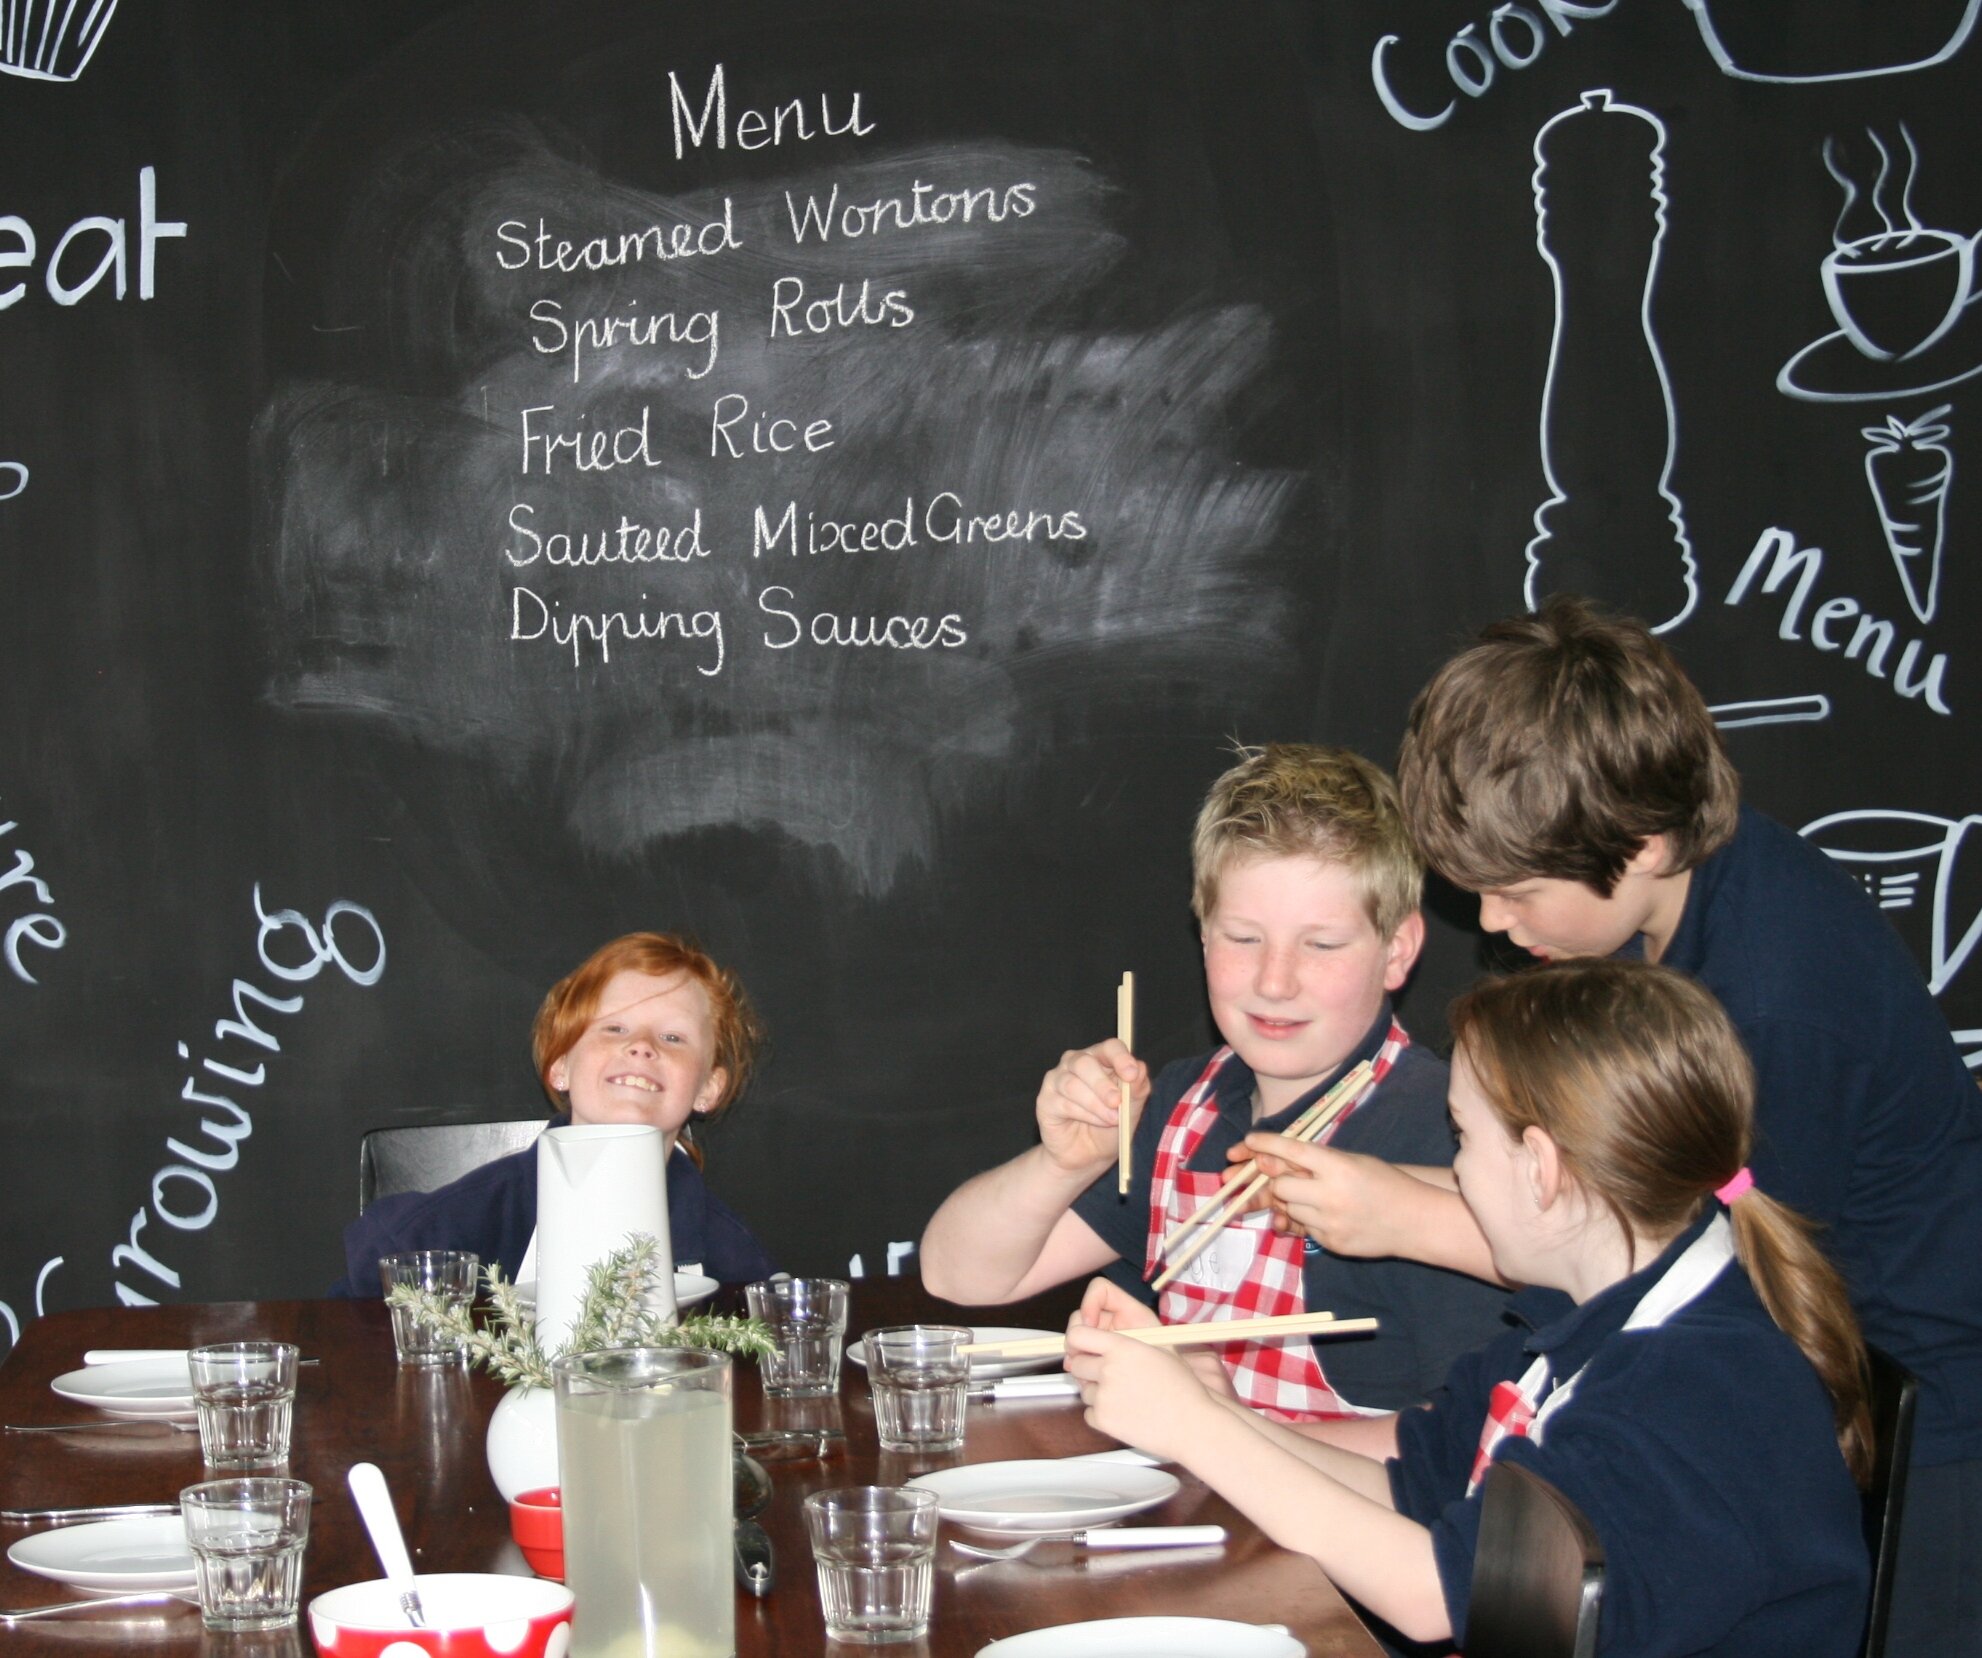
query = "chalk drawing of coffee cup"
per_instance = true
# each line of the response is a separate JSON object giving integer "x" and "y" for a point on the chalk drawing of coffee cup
{"x": 1792, "y": 42}
{"x": 1907, "y": 863}
{"x": 51, "y": 40}
{"x": 1896, "y": 293}
{"x": 13, "y": 479}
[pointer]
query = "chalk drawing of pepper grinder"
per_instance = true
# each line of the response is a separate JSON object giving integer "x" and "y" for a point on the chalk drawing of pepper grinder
{"x": 1611, "y": 529}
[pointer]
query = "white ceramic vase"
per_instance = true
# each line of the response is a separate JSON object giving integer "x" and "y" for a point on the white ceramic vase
{"x": 522, "y": 1442}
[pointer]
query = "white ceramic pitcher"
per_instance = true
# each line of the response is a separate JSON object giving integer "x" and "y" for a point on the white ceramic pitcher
{"x": 596, "y": 1184}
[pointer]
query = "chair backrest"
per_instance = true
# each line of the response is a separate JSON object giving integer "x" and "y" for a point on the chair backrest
{"x": 1893, "y": 1388}
{"x": 1537, "y": 1573}
{"x": 429, "y": 1155}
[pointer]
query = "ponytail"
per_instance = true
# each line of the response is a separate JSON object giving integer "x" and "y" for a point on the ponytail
{"x": 1637, "y": 1075}
{"x": 1805, "y": 1295}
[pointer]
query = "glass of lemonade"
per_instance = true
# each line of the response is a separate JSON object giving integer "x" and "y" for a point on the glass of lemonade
{"x": 643, "y": 1443}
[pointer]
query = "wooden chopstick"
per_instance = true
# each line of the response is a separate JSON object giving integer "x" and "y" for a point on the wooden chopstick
{"x": 1311, "y": 1124}
{"x": 1125, "y": 1028}
{"x": 1313, "y": 1121}
{"x": 1217, "y": 1332}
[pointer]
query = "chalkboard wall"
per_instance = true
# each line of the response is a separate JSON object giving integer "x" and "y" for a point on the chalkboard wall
{"x": 475, "y": 479}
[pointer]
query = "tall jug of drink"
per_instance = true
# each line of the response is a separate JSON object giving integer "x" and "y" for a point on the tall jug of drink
{"x": 643, "y": 1440}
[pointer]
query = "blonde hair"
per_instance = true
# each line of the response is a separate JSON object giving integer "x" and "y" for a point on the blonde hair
{"x": 1637, "y": 1075}
{"x": 1556, "y": 747}
{"x": 573, "y": 1003}
{"x": 1297, "y": 800}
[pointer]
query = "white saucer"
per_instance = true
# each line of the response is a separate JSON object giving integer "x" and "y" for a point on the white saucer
{"x": 1150, "y": 1638}
{"x": 135, "y": 1388}
{"x": 111, "y": 1556}
{"x": 691, "y": 1289}
{"x": 1045, "y": 1496}
{"x": 988, "y": 1367}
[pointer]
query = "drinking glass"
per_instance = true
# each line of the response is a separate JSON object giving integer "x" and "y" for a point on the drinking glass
{"x": 918, "y": 1375}
{"x": 245, "y": 1393}
{"x": 247, "y": 1538}
{"x": 875, "y": 1548}
{"x": 643, "y": 1441}
{"x": 807, "y": 1320}
{"x": 448, "y": 1273}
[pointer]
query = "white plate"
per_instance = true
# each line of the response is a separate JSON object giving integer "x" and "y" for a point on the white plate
{"x": 111, "y": 1555}
{"x": 691, "y": 1289}
{"x": 987, "y": 1367}
{"x": 139, "y": 1387}
{"x": 1150, "y": 1638}
{"x": 1046, "y": 1495}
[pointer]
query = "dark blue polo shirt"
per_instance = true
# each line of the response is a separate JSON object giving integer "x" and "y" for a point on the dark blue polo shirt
{"x": 493, "y": 1211}
{"x": 1701, "y": 1450}
{"x": 1429, "y": 1316}
{"x": 1868, "y": 1122}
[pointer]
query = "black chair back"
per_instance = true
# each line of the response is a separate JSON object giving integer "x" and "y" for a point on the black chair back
{"x": 1537, "y": 1574}
{"x": 429, "y": 1155}
{"x": 1893, "y": 1388}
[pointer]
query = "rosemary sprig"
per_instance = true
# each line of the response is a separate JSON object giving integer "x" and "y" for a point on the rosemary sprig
{"x": 616, "y": 1312}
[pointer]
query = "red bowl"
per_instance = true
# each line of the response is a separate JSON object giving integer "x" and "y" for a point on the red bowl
{"x": 468, "y": 1615}
{"x": 536, "y": 1521}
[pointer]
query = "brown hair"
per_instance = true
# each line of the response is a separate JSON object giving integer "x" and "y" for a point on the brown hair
{"x": 1296, "y": 800}
{"x": 1555, "y": 748}
{"x": 573, "y": 1003}
{"x": 1637, "y": 1075}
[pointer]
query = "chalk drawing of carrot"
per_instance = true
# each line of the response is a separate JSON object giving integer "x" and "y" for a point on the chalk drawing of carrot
{"x": 1911, "y": 474}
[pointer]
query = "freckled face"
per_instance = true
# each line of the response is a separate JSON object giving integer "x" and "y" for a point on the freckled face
{"x": 1294, "y": 970}
{"x": 646, "y": 1057}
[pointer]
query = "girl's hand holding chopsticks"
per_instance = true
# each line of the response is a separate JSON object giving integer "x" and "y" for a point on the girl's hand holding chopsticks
{"x": 1107, "y": 1306}
{"x": 1342, "y": 1199}
{"x": 1147, "y": 1397}
{"x": 1080, "y": 1103}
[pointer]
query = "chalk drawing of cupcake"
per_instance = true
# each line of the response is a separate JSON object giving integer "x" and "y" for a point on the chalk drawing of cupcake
{"x": 51, "y": 40}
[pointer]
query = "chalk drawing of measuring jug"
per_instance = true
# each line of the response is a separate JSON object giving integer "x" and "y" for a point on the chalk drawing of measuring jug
{"x": 1898, "y": 292}
{"x": 1908, "y": 862}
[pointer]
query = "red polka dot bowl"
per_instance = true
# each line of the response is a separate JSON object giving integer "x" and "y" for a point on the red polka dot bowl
{"x": 468, "y": 1615}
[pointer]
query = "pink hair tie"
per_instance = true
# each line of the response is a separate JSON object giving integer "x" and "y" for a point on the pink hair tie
{"x": 1742, "y": 1182}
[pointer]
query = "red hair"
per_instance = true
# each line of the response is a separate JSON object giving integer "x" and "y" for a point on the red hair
{"x": 573, "y": 1003}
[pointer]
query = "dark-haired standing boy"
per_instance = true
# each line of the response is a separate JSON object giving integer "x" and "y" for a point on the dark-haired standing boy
{"x": 1567, "y": 771}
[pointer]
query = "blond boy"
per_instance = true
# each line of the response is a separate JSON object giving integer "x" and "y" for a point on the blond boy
{"x": 1306, "y": 892}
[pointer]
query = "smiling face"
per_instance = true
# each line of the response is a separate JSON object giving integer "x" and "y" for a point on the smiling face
{"x": 646, "y": 1056}
{"x": 1295, "y": 970}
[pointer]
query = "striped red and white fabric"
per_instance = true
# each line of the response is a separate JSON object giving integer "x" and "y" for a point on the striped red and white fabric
{"x": 1249, "y": 1271}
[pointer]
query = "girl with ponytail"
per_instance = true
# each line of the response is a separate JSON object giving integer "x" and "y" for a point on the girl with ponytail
{"x": 1699, "y": 1395}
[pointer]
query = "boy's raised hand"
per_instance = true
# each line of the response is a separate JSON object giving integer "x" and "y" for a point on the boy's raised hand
{"x": 1080, "y": 1099}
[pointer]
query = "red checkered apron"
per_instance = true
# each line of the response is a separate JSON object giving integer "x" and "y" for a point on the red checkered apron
{"x": 1281, "y": 1378}
{"x": 1511, "y": 1410}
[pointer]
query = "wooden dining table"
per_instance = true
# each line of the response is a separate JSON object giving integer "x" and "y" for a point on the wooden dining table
{"x": 426, "y": 1429}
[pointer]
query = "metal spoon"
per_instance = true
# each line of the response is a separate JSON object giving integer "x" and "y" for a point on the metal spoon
{"x": 367, "y": 1483}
